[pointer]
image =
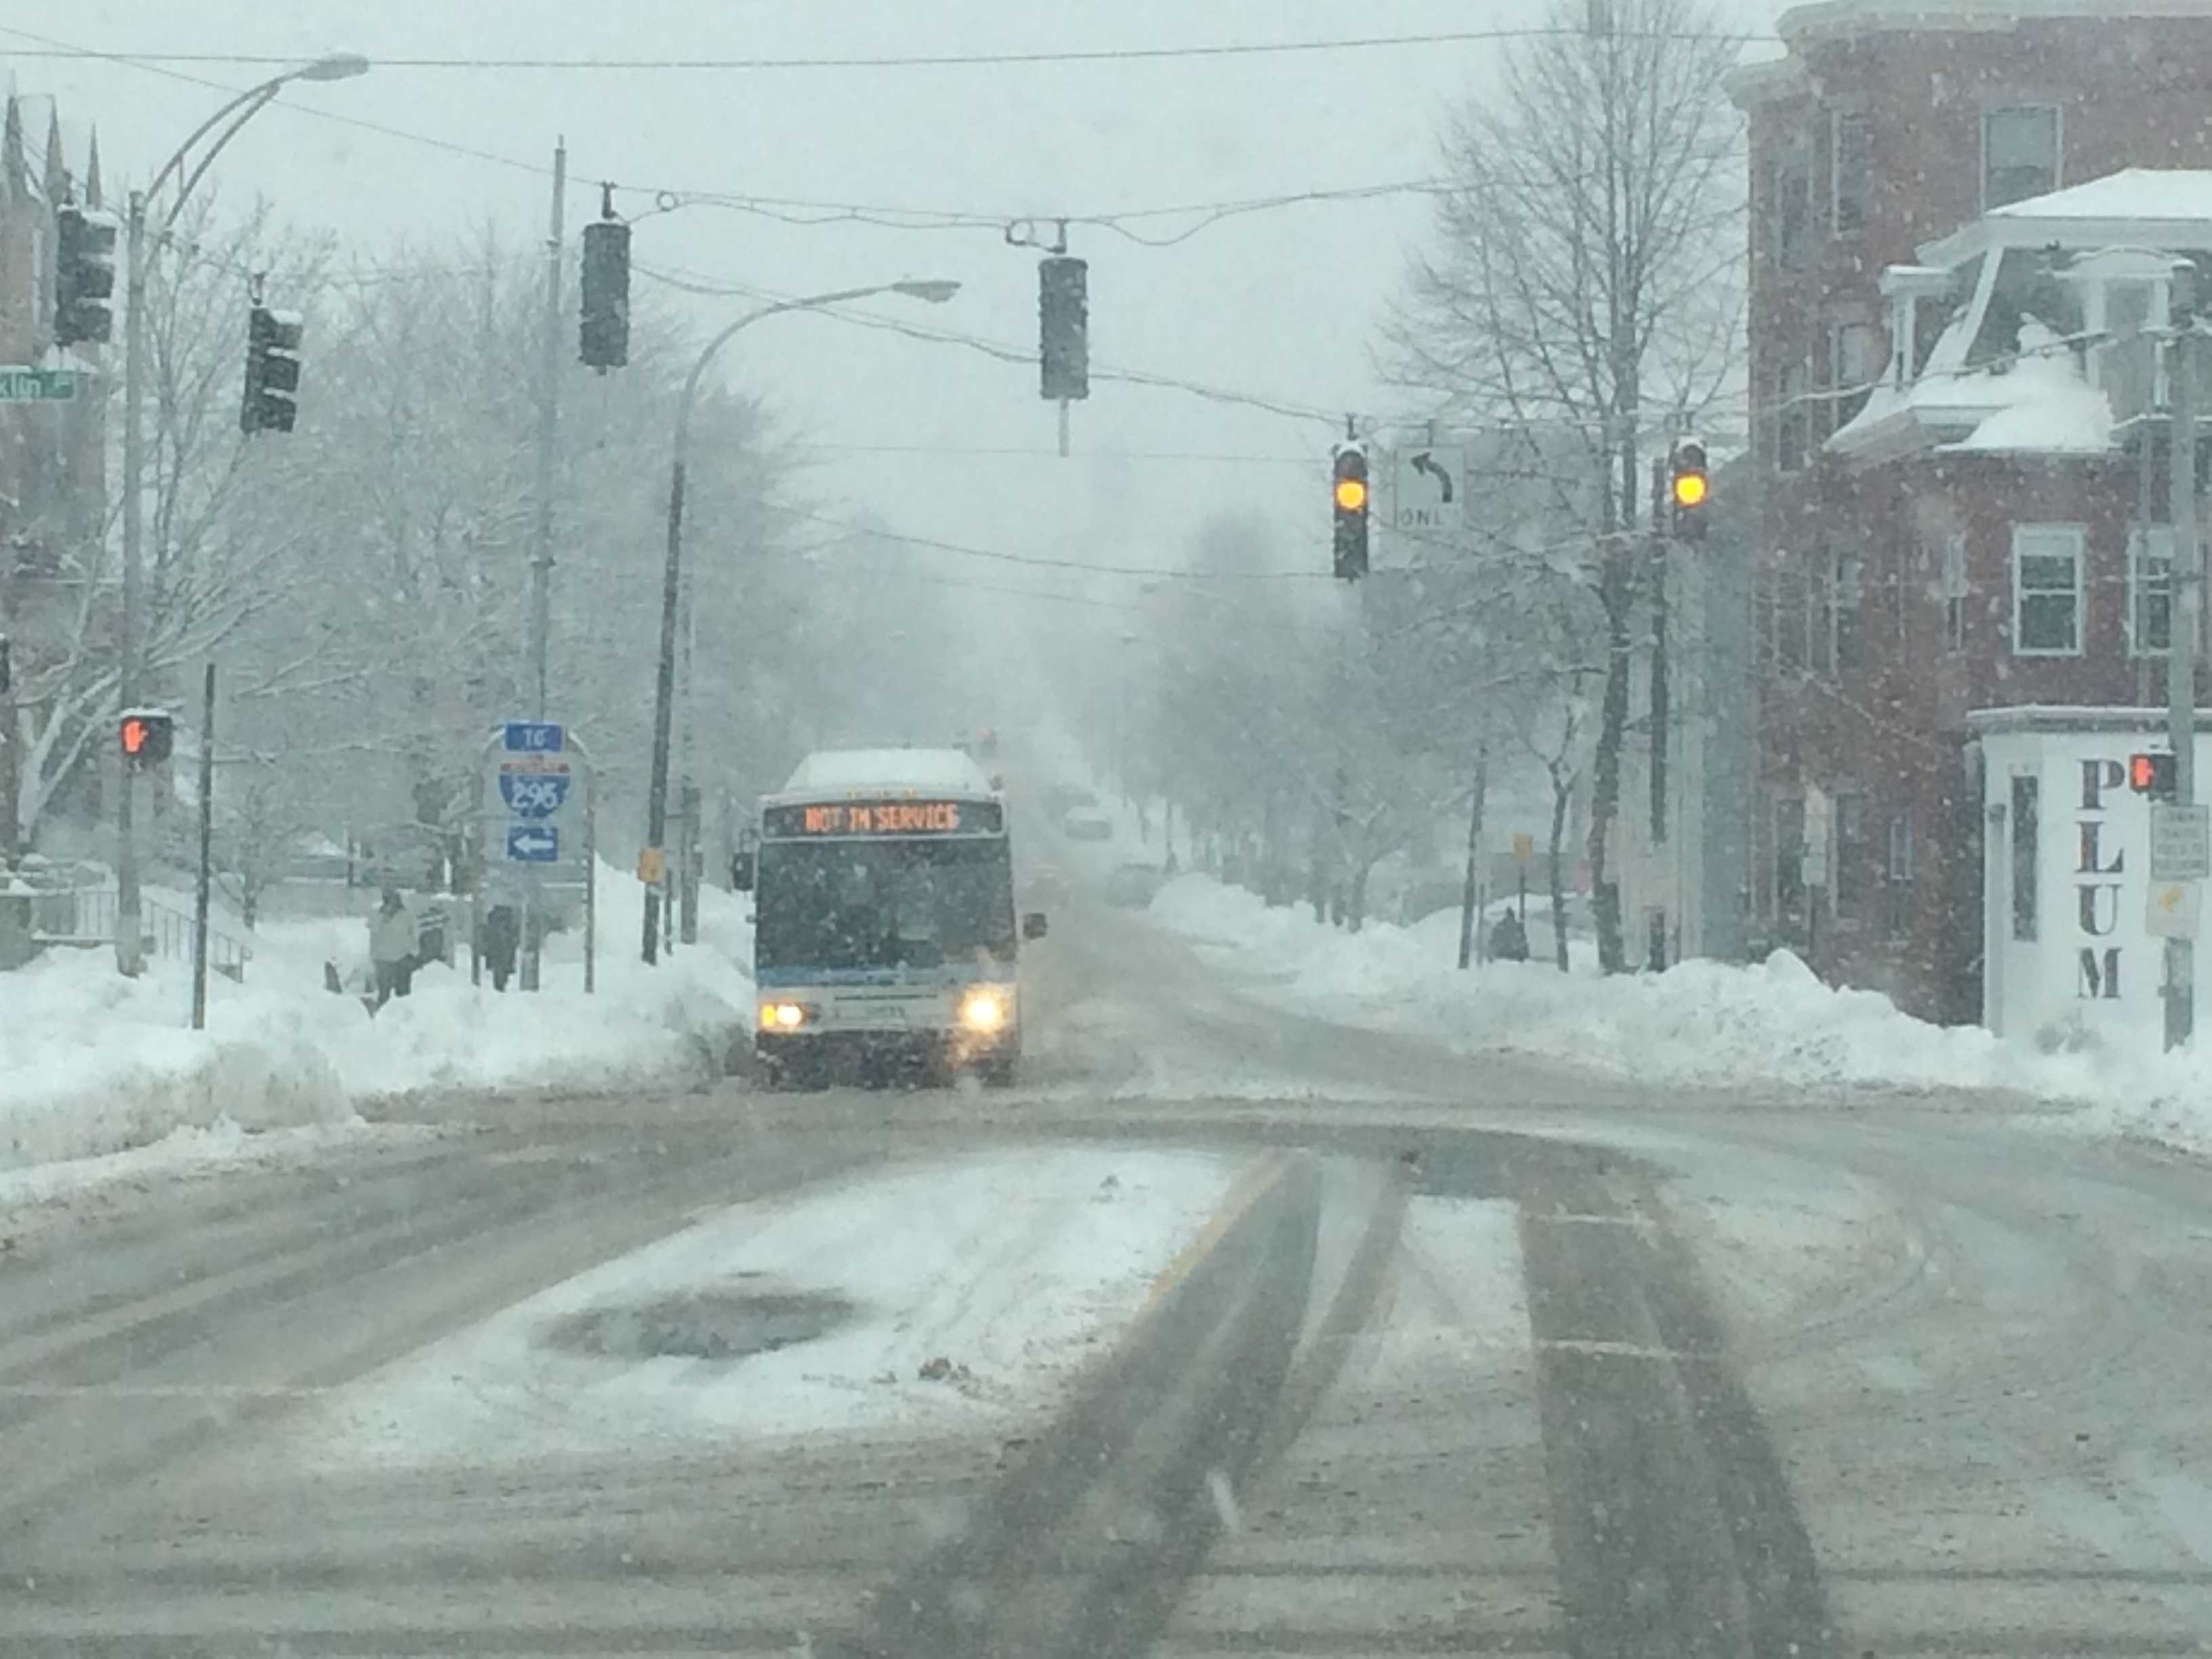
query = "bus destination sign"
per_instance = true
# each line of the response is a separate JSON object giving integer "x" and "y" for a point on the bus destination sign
{"x": 883, "y": 817}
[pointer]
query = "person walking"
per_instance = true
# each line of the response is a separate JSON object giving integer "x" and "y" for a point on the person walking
{"x": 502, "y": 938}
{"x": 391, "y": 947}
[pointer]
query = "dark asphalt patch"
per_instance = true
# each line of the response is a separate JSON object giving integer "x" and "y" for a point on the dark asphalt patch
{"x": 720, "y": 1323}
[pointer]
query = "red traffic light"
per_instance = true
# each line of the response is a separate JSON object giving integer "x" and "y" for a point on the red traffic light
{"x": 146, "y": 736}
{"x": 2151, "y": 774}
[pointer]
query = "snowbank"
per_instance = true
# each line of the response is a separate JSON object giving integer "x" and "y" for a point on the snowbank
{"x": 91, "y": 1062}
{"x": 1768, "y": 1025}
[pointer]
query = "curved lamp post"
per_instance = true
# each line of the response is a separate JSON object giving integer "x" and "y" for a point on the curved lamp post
{"x": 340, "y": 66}
{"x": 935, "y": 292}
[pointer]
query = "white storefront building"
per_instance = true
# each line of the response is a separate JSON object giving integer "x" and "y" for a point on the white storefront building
{"x": 2067, "y": 890}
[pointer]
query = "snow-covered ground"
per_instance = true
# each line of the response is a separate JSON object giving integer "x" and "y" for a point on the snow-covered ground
{"x": 1768, "y": 1026}
{"x": 936, "y": 1297}
{"x": 91, "y": 1062}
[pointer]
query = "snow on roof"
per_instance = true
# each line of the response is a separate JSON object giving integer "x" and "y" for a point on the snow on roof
{"x": 861, "y": 770}
{"x": 2130, "y": 193}
{"x": 2038, "y": 404}
{"x": 2048, "y": 407}
{"x": 2163, "y": 208}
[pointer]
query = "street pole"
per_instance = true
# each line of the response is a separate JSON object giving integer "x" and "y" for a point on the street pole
{"x": 672, "y": 577}
{"x": 1654, "y": 951}
{"x": 1468, "y": 895}
{"x": 541, "y": 560}
{"x": 548, "y": 424}
{"x": 206, "y": 851}
{"x": 663, "y": 690}
{"x": 2188, "y": 581}
{"x": 336, "y": 66}
{"x": 129, "y": 944}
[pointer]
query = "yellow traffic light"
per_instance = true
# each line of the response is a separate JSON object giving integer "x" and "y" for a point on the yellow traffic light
{"x": 1351, "y": 495}
{"x": 1690, "y": 489}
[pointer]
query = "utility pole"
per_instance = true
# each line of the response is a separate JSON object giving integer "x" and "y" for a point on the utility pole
{"x": 2188, "y": 586}
{"x": 1654, "y": 957}
{"x": 129, "y": 946}
{"x": 1468, "y": 895}
{"x": 548, "y": 424}
{"x": 541, "y": 559}
{"x": 207, "y": 849}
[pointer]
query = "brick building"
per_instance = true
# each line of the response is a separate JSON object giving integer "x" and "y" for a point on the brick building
{"x": 1963, "y": 222}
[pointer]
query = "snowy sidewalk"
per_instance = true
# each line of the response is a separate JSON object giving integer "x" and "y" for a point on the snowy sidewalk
{"x": 1767, "y": 1026}
{"x": 92, "y": 1063}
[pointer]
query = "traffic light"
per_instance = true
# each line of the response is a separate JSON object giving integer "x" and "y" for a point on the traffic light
{"x": 1064, "y": 328}
{"x": 1688, "y": 485}
{"x": 271, "y": 403}
{"x": 84, "y": 275}
{"x": 603, "y": 305}
{"x": 2152, "y": 774}
{"x": 147, "y": 736}
{"x": 1348, "y": 500}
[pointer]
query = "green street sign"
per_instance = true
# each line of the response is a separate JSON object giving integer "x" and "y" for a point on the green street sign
{"x": 21, "y": 385}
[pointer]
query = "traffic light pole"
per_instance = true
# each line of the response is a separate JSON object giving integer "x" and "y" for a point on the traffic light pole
{"x": 2187, "y": 610}
{"x": 129, "y": 948}
{"x": 129, "y": 943}
{"x": 548, "y": 426}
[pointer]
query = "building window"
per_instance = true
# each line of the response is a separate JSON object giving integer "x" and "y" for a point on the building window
{"x": 1793, "y": 201}
{"x": 1793, "y": 423}
{"x": 1951, "y": 588}
{"x": 2020, "y": 153}
{"x": 1853, "y": 367}
{"x": 1850, "y": 147}
{"x": 1790, "y": 607}
{"x": 2025, "y": 791}
{"x": 1897, "y": 873}
{"x": 2047, "y": 590}
{"x": 1820, "y": 616}
{"x": 1848, "y": 581}
{"x": 1853, "y": 862}
{"x": 2150, "y": 590}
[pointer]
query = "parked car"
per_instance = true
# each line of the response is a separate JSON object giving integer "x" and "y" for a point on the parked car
{"x": 1062, "y": 798}
{"x": 1131, "y": 886}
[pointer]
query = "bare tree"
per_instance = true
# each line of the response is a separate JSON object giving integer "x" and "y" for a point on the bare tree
{"x": 1582, "y": 285}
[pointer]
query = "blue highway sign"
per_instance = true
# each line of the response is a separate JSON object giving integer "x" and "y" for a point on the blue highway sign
{"x": 532, "y": 843}
{"x": 533, "y": 794}
{"x": 532, "y": 737}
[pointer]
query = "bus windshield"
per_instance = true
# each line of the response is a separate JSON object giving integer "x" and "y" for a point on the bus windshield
{"x": 884, "y": 904}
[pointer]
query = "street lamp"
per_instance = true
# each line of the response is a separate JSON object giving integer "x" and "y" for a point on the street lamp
{"x": 339, "y": 66}
{"x": 934, "y": 291}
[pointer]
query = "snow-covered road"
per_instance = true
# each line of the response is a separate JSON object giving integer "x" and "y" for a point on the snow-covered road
{"x": 1358, "y": 1343}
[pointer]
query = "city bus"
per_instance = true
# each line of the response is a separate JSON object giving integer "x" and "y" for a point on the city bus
{"x": 885, "y": 932}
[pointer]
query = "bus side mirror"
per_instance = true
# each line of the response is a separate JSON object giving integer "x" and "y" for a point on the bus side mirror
{"x": 1033, "y": 925}
{"x": 741, "y": 872}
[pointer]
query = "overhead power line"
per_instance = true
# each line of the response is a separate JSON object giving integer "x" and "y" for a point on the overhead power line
{"x": 1223, "y": 49}
{"x": 865, "y": 532}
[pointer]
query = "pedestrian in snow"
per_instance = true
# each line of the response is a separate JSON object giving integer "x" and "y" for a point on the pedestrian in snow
{"x": 391, "y": 947}
{"x": 502, "y": 936}
{"x": 1509, "y": 939}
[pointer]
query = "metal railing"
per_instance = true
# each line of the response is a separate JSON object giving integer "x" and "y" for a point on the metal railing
{"x": 84, "y": 918}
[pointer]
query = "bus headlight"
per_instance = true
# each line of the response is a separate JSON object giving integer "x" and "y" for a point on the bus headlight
{"x": 782, "y": 1016}
{"x": 984, "y": 1010}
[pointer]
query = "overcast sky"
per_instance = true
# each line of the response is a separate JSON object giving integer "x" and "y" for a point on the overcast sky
{"x": 1281, "y": 304}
